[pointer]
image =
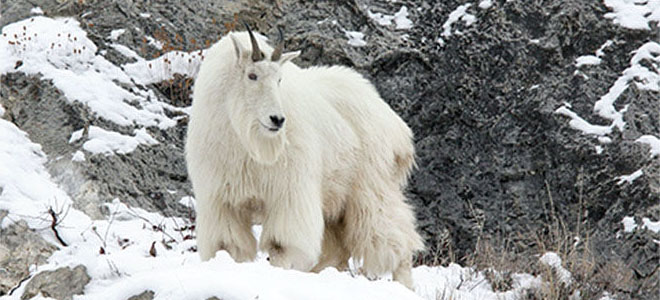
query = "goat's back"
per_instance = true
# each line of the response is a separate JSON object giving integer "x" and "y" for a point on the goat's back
{"x": 385, "y": 139}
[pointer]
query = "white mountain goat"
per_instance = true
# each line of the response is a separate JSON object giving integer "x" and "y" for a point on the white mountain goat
{"x": 314, "y": 155}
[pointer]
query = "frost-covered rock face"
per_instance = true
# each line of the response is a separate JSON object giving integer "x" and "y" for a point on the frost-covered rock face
{"x": 526, "y": 114}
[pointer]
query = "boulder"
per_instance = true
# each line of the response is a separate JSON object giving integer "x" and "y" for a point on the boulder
{"x": 60, "y": 284}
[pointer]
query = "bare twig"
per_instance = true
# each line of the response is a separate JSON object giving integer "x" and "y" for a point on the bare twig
{"x": 53, "y": 226}
{"x": 152, "y": 251}
{"x": 24, "y": 279}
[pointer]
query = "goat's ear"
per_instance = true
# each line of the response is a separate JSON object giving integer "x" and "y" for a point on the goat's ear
{"x": 288, "y": 56}
{"x": 238, "y": 48}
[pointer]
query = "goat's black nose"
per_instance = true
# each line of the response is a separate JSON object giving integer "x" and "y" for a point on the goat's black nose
{"x": 277, "y": 121}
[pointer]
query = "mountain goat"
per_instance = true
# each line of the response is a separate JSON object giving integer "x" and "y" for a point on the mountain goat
{"x": 314, "y": 155}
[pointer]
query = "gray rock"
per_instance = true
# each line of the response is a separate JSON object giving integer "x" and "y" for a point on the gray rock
{"x": 60, "y": 284}
{"x": 146, "y": 295}
{"x": 20, "y": 248}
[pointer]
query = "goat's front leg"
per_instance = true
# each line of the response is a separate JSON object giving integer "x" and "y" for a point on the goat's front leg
{"x": 293, "y": 227}
{"x": 222, "y": 227}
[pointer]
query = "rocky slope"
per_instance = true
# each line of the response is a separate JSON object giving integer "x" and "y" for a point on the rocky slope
{"x": 500, "y": 167}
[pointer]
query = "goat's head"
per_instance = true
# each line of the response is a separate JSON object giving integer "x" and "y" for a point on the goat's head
{"x": 257, "y": 111}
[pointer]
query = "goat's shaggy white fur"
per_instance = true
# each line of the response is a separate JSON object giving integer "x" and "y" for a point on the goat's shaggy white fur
{"x": 327, "y": 186}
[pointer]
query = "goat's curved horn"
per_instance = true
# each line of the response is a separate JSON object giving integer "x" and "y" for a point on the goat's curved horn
{"x": 256, "y": 53}
{"x": 277, "y": 53}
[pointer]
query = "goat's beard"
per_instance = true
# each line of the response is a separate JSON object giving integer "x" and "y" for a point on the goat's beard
{"x": 263, "y": 147}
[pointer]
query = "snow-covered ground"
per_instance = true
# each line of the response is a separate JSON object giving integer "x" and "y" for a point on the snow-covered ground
{"x": 133, "y": 250}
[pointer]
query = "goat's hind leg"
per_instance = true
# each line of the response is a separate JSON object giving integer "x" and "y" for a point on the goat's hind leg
{"x": 333, "y": 252}
{"x": 380, "y": 230}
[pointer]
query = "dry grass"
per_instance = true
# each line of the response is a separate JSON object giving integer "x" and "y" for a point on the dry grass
{"x": 499, "y": 258}
{"x": 178, "y": 89}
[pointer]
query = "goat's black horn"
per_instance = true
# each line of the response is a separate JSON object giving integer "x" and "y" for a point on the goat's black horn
{"x": 256, "y": 53}
{"x": 277, "y": 53}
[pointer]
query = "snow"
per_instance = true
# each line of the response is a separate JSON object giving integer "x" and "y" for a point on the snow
{"x": 27, "y": 190}
{"x": 601, "y": 51}
{"x": 629, "y": 224}
{"x": 125, "y": 51}
{"x": 78, "y": 156}
{"x": 587, "y": 60}
{"x": 36, "y": 11}
{"x": 459, "y": 14}
{"x": 154, "y": 42}
{"x": 145, "y": 15}
{"x": 606, "y": 296}
{"x": 553, "y": 260}
{"x": 633, "y": 14}
{"x": 109, "y": 142}
{"x": 381, "y": 19}
{"x": 599, "y": 149}
{"x": 642, "y": 72}
{"x": 188, "y": 201}
{"x": 485, "y": 4}
{"x": 629, "y": 178}
{"x": 580, "y": 124}
{"x": 60, "y": 51}
{"x": 456, "y": 282}
{"x": 400, "y": 18}
{"x": 165, "y": 66}
{"x": 114, "y": 35}
{"x": 651, "y": 225}
{"x": 2, "y": 111}
{"x": 644, "y": 78}
{"x": 355, "y": 38}
{"x": 652, "y": 141}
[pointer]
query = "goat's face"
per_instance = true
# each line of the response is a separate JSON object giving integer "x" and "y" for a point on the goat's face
{"x": 256, "y": 112}
{"x": 260, "y": 82}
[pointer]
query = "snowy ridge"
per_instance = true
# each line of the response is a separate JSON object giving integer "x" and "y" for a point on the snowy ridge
{"x": 164, "y": 67}
{"x": 59, "y": 50}
{"x": 110, "y": 142}
{"x": 400, "y": 18}
{"x": 355, "y": 38}
{"x": 633, "y": 14}
{"x": 643, "y": 77}
{"x": 629, "y": 178}
{"x": 653, "y": 142}
{"x": 28, "y": 191}
{"x": 629, "y": 224}
{"x": 459, "y": 14}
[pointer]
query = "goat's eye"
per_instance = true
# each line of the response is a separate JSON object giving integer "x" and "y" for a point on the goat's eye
{"x": 279, "y": 81}
{"x": 252, "y": 76}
